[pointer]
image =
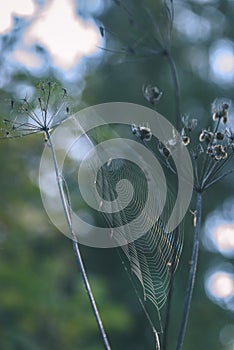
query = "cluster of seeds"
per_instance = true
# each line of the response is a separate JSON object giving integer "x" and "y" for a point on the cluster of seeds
{"x": 214, "y": 143}
{"x": 217, "y": 141}
{"x": 217, "y": 151}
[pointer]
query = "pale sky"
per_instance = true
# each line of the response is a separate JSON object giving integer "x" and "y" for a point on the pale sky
{"x": 67, "y": 38}
{"x": 55, "y": 27}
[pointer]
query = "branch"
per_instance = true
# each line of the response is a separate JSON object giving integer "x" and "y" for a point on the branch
{"x": 176, "y": 85}
{"x": 218, "y": 178}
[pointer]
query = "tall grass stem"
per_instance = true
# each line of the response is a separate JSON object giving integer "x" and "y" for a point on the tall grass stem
{"x": 75, "y": 244}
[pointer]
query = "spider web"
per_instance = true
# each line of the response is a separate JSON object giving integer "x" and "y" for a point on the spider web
{"x": 152, "y": 258}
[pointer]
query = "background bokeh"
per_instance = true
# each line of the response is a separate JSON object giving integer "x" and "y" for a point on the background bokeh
{"x": 43, "y": 304}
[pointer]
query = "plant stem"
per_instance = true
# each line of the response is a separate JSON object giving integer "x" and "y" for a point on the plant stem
{"x": 76, "y": 246}
{"x": 192, "y": 273}
{"x": 178, "y": 124}
{"x": 176, "y": 85}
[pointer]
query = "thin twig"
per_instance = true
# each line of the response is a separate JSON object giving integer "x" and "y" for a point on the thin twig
{"x": 178, "y": 123}
{"x": 76, "y": 246}
{"x": 212, "y": 176}
{"x": 218, "y": 179}
{"x": 176, "y": 85}
{"x": 192, "y": 273}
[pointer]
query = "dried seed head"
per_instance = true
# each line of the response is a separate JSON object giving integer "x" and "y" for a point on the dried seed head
{"x": 166, "y": 152}
{"x": 209, "y": 136}
{"x": 186, "y": 140}
{"x": 48, "y": 110}
{"x": 225, "y": 106}
{"x": 220, "y": 111}
{"x": 217, "y": 147}
{"x": 219, "y": 135}
{"x": 210, "y": 150}
{"x": 224, "y": 119}
{"x": 101, "y": 29}
{"x": 202, "y": 136}
{"x": 152, "y": 94}
{"x": 163, "y": 150}
{"x": 218, "y": 157}
{"x": 143, "y": 132}
{"x": 206, "y": 136}
{"x": 224, "y": 155}
{"x": 134, "y": 129}
{"x": 215, "y": 116}
{"x": 217, "y": 152}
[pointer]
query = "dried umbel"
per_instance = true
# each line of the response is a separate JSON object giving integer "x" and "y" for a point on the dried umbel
{"x": 211, "y": 150}
{"x": 48, "y": 109}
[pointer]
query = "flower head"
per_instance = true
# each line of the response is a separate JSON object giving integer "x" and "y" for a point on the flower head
{"x": 50, "y": 108}
{"x": 211, "y": 150}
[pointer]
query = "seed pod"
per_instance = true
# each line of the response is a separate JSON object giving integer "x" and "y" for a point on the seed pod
{"x": 215, "y": 116}
{"x": 152, "y": 94}
{"x": 101, "y": 29}
{"x": 224, "y": 155}
{"x": 225, "y": 107}
{"x": 202, "y": 137}
{"x": 219, "y": 135}
{"x": 145, "y": 133}
{"x": 142, "y": 132}
{"x": 224, "y": 119}
{"x": 210, "y": 150}
{"x": 166, "y": 152}
{"x": 209, "y": 136}
{"x": 186, "y": 140}
{"x": 218, "y": 148}
{"x": 163, "y": 150}
{"x": 134, "y": 129}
